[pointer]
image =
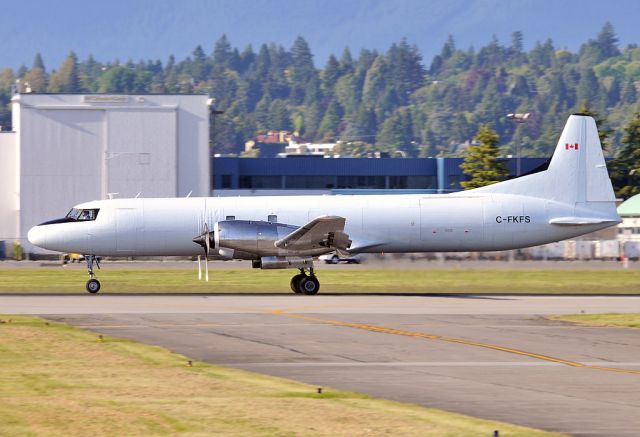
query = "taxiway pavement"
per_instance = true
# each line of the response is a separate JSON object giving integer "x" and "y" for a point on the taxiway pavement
{"x": 493, "y": 357}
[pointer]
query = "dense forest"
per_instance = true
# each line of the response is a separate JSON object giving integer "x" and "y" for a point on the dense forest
{"x": 384, "y": 101}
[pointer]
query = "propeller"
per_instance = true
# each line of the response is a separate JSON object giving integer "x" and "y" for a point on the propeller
{"x": 204, "y": 240}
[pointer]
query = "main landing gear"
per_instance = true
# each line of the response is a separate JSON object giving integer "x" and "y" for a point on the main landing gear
{"x": 93, "y": 285}
{"x": 305, "y": 284}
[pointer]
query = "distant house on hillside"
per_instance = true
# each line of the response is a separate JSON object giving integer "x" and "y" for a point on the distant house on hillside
{"x": 270, "y": 144}
{"x": 308, "y": 149}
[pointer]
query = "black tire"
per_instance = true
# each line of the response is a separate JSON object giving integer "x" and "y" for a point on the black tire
{"x": 295, "y": 283}
{"x": 309, "y": 285}
{"x": 335, "y": 259}
{"x": 93, "y": 286}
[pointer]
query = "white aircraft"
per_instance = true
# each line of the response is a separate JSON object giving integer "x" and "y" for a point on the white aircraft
{"x": 570, "y": 196}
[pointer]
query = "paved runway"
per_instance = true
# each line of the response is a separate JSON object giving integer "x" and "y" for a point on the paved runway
{"x": 487, "y": 356}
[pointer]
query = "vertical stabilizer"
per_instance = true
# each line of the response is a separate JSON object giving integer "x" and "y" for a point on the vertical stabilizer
{"x": 577, "y": 173}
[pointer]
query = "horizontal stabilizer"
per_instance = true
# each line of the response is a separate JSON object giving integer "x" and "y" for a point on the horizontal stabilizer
{"x": 572, "y": 221}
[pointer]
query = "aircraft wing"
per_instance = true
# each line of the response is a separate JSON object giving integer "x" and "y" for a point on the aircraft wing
{"x": 326, "y": 231}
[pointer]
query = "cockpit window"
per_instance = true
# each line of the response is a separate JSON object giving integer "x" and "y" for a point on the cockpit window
{"x": 83, "y": 215}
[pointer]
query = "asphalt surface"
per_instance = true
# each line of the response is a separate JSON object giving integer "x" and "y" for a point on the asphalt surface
{"x": 493, "y": 357}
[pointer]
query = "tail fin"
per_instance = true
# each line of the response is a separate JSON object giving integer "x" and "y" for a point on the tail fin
{"x": 577, "y": 173}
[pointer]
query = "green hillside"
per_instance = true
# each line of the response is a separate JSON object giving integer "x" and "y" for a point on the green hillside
{"x": 386, "y": 101}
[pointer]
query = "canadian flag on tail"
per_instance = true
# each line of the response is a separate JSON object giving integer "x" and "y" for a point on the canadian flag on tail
{"x": 568, "y": 146}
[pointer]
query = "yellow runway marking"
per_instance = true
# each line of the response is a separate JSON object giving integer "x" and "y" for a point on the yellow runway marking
{"x": 422, "y": 335}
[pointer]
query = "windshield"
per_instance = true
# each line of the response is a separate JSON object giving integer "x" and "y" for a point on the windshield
{"x": 82, "y": 215}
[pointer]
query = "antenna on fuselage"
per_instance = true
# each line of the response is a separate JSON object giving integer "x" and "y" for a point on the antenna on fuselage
{"x": 189, "y": 195}
{"x": 138, "y": 195}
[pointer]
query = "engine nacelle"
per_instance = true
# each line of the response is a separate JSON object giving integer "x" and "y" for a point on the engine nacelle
{"x": 255, "y": 237}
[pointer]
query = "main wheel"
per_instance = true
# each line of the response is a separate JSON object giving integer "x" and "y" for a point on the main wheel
{"x": 93, "y": 286}
{"x": 335, "y": 259}
{"x": 295, "y": 282}
{"x": 309, "y": 285}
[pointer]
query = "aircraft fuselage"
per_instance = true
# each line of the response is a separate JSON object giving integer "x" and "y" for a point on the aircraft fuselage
{"x": 375, "y": 223}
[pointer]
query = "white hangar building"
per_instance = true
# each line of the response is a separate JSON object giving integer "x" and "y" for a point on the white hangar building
{"x": 70, "y": 148}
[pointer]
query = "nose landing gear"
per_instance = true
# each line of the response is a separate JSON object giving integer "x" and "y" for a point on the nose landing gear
{"x": 93, "y": 285}
{"x": 305, "y": 284}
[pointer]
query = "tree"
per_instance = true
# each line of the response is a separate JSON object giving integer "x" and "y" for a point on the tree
{"x": 66, "y": 79}
{"x": 38, "y": 62}
{"x": 346, "y": 61}
{"x": 330, "y": 75}
{"x": 279, "y": 117}
{"x": 481, "y": 162}
{"x": 613, "y": 93}
{"x": 199, "y": 68}
{"x": 395, "y": 132}
{"x": 629, "y": 93}
{"x": 448, "y": 49}
{"x": 405, "y": 69}
{"x": 303, "y": 69}
{"x": 604, "y": 131}
{"x": 36, "y": 78}
{"x": 516, "y": 42}
{"x": 330, "y": 122}
{"x": 222, "y": 53}
{"x": 118, "y": 79}
{"x": 588, "y": 87}
{"x": 625, "y": 168}
{"x": 607, "y": 41}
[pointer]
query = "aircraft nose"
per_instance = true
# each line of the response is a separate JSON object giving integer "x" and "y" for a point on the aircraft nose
{"x": 37, "y": 236}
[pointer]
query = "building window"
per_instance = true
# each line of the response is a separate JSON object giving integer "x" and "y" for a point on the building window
{"x": 225, "y": 181}
{"x": 421, "y": 182}
{"x": 362, "y": 182}
{"x": 397, "y": 182}
{"x": 454, "y": 181}
{"x": 310, "y": 182}
{"x": 260, "y": 182}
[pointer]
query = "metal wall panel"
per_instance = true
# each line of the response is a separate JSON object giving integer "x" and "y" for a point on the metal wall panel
{"x": 141, "y": 153}
{"x": 9, "y": 200}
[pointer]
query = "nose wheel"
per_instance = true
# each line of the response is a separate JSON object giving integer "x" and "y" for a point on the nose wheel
{"x": 93, "y": 285}
{"x": 305, "y": 284}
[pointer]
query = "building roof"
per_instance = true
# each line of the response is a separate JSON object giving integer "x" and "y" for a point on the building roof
{"x": 630, "y": 207}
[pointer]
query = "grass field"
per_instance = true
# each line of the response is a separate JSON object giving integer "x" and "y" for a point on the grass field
{"x": 366, "y": 281}
{"x": 614, "y": 320}
{"x": 56, "y": 380}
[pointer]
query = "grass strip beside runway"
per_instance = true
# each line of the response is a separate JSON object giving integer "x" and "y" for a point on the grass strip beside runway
{"x": 60, "y": 380}
{"x": 152, "y": 280}
{"x": 612, "y": 320}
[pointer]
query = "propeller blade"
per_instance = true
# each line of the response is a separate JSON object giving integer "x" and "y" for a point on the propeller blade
{"x": 204, "y": 240}
{"x": 199, "y": 269}
{"x": 206, "y": 268}
{"x": 207, "y": 239}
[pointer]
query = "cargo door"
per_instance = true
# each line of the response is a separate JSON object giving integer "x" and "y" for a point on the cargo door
{"x": 126, "y": 230}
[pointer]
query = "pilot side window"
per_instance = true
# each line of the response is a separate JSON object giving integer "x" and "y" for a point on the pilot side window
{"x": 83, "y": 215}
{"x": 272, "y": 218}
